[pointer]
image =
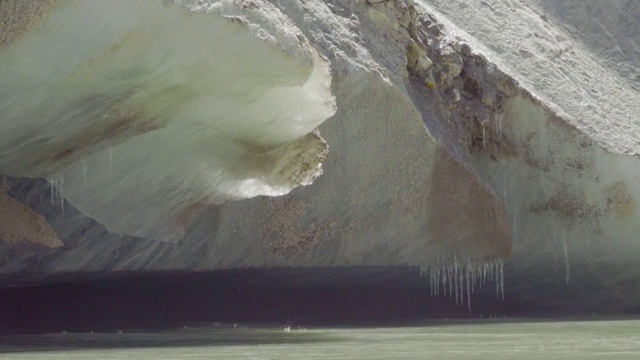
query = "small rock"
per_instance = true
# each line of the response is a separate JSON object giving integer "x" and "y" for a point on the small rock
{"x": 451, "y": 61}
{"x": 465, "y": 49}
{"x": 434, "y": 29}
{"x": 456, "y": 95}
{"x": 481, "y": 60}
{"x": 413, "y": 30}
{"x": 488, "y": 97}
{"x": 424, "y": 63}
{"x": 404, "y": 20}
{"x": 373, "y": 2}
{"x": 446, "y": 80}
{"x": 413, "y": 13}
{"x": 472, "y": 89}
{"x": 400, "y": 6}
{"x": 413, "y": 54}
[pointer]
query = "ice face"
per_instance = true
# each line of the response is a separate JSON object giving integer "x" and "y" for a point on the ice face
{"x": 147, "y": 111}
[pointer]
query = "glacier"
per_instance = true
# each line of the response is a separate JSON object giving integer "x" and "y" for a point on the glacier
{"x": 133, "y": 106}
{"x": 464, "y": 136}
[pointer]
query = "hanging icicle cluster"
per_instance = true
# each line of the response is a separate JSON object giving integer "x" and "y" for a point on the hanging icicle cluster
{"x": 56, "y": 185}
{"x": 454, "y": 277}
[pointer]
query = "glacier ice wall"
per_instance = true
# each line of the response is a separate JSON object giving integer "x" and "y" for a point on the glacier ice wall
{"x": 460, "y": 136}
{"x": 394, "y": 193}
{"x": 142, "y": 113}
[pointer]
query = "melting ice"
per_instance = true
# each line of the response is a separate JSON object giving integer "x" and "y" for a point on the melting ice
{"x": 458, "y": 278}
{"x": 203, "y": 104}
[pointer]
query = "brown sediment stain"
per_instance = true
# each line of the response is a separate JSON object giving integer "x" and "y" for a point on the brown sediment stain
{"x": 303, "y": 156}
{"x": 292, "y": 243}
{"x": 565, "y": 204}
{"x": 299, "y": 159}
{"x": 482, "y": 139}
{"x": 257, "y": 156}
{"x": 185, "y": 216}
{"x": 620, "y": 202}
{"x": 110, "y": 128}
{"x": 18, "y": 17}
{"x": 467, "y": 219}
{"x": 19, "y": 223}
{"x": 125, "y": 46}
{"x": 281, "y": 222}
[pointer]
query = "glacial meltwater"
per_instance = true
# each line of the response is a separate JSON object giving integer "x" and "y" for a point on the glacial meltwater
{"x": 480, "y": 339}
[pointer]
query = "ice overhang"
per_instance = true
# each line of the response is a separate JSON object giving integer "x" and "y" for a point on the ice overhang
{"x": 142, "y": 112}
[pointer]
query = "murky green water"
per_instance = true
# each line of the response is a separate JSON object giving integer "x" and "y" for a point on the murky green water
{"x": 481, "y": 340}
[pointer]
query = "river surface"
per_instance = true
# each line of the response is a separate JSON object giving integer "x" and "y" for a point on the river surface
{"x": 482, "y": 339}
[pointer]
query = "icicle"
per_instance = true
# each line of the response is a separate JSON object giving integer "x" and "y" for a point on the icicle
{"x": 439, "y": 277}
{"x": 484, "y": 272}
{"x": 468, "y": 275}
{"x": 501, "y": 264}
{"x": 52, "y": 188}
{"x": 515, "y": 222}
{"x": 61, "y": 194}
{"x": 461, "y": 284}
{"x": 56, "y": 186}
{"x": 437, "y": 269}
{"x": 455, "y": 277}
{"x": 460, "y": 278}
{"x": 567, "y": 267}
{"x": 110, "y": 160}
{"x": 497, "y": 281}
{"x": 473, "y": 278}
{"x": 83, "y": 166}
{"x": 472, "y": 274}
{"x": 436, "y": 279}
{"x": 430, "y": 280}
{"x": 484, "y": 137}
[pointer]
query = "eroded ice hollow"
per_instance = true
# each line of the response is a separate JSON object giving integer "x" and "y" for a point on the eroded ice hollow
{"x": 140, "y": 113}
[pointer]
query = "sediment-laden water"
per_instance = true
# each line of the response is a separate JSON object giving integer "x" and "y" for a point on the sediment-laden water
{"x": 482, "y": 339}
